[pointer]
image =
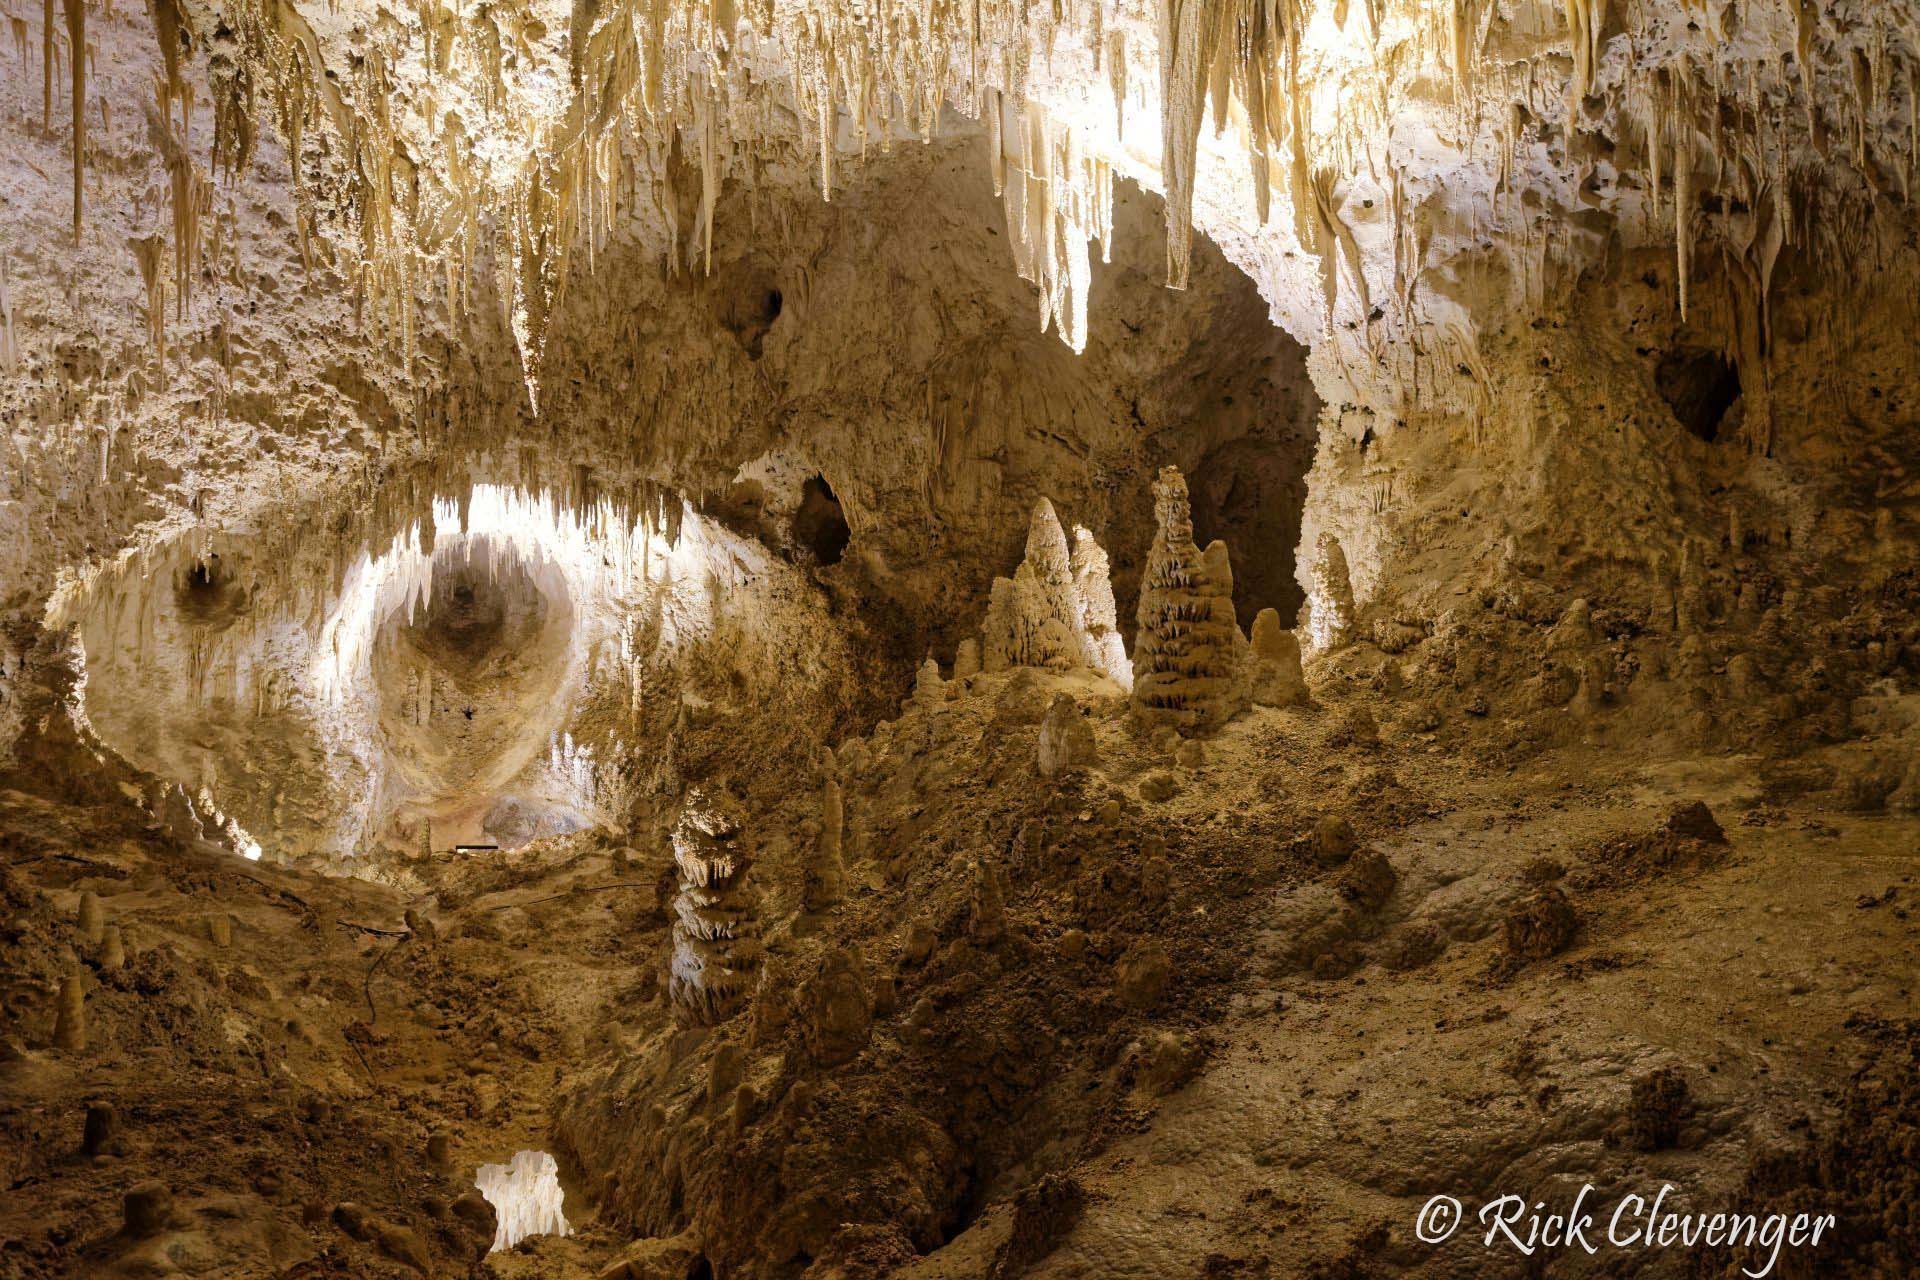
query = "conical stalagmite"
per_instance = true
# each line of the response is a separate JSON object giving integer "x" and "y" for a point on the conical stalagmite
{"x": 826, "y": 869}
{"x": 1274, "y": 678}
{"x": 70, "y": 1017}
{"x": 91, "y": 919}
{"x": 1092, "y": 580}
{"x": 113, "y": 950}
{"x": 1051, "y": 564}
{"x": 1187, "y": 652}
{"x": 1056, "y": 611}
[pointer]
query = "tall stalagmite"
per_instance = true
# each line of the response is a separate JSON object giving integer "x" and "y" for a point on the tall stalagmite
{"x": 1093, "y": 583}
{"x": 1329, "y": 609}
{"x": 1187, "y": 651}
{"x": 716, "y": 946}
{"x": 1057, "y": 611}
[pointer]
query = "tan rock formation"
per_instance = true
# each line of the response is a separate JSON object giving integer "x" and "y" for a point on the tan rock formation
{"x": 1329, "y": 608}
{"x": 1188, "y": 650}
{"x": 838, "y": 1007}
{"x": 1066, "y": 739}
{"x": 826, "y": 868}
{"x": 70, "y": 1017}
{"x": 929, "y": 690}
{"x": 1093, "y": 583}
{"x": 716, "y": 944}
{"x": 1274, "y": 677}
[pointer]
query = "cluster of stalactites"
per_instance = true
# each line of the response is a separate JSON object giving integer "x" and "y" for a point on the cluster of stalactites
{"x": 493, "y": 157}
{"x": 523, "y": 144}
{"x": 716, "y": 944}
{"x": 1057, "y": 610}
{"x": 1188, "y": 653}
{"x": 1058, "y": 196}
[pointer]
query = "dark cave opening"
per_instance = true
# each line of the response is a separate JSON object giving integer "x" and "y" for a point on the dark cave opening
{"x": 1251, "y": 496}
{"x": 207, "y": 594}
{"x": 819, "y": 525}
{"x": 747, "y": 305}
{"x": 1700, "y": 386}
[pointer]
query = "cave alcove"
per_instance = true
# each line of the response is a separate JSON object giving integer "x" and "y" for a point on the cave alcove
{"x": 819, "y": 524}
{"x": 1701, "y": 386}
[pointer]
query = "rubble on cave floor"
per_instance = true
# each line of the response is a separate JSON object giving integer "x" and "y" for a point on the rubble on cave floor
{"x": 1070, "y": 981}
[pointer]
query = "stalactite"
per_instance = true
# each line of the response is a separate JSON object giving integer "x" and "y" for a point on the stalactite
{"x": 191, "y": 196}
{"x": 77, "y": 42}
{"x": 1683, "y": 211}
{"x": 147, "y": 251}
{"x": 46, "y": 66}
{"x": 9, "y": 345}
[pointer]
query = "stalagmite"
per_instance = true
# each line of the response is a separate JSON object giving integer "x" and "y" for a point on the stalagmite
{"x": 1093, "y": 583}
{"x": 1329, "y": 607}
{"x": 986, "y": 907}
{"x": 1066, "y": 739}
{"x": 102, "y": 1126}
{"x": 966, "y": 659}
{"x": 1056, "y": 612}
{"x": 70, "y": 1020}
{"x": 929, "y": 690}
{"x": 1274, "y": 678}
{"x": 90, "y": 918}
{"x": 837, "y": 1004}
{"x": 716, "y": 946}
{"x": 1051, "y": 564}
{"x": 113, "y": 950}
{"x": 1574, "y": 632}
{"x": 1188, "y": 650}
{"x": 146, "y": 1209}
{"x": 826, "y": 871}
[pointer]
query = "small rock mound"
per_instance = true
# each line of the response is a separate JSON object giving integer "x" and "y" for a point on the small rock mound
{"x": 1660, "y": 1104}
{"x": 1539, "y": 926}
{"x": 1367, "y": 880}
{"x": 1043, "y": 1213}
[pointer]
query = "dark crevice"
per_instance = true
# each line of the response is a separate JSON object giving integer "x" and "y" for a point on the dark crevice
{"x": 1700, "y": 386}
{"x": 819, "y": 525}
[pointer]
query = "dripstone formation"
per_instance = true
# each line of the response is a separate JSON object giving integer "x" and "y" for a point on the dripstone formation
{"x": 716, "y": 945}
{"x": 1057, "y": 611}
{"x": 1188, "y": 649}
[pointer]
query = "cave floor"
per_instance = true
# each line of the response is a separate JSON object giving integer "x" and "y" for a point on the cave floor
{"x": 271, "y": 1076}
